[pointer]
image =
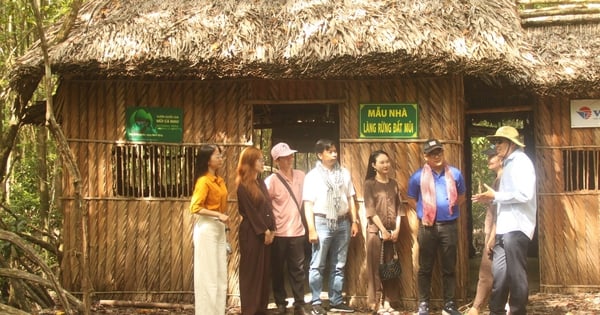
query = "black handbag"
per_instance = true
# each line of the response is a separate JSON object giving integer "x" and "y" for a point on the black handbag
{"x": 391, "y": 269}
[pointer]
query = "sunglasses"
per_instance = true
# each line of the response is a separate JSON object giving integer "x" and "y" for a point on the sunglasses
{"x": 498, "y": 141}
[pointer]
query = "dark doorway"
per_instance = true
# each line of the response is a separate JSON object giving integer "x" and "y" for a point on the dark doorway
{"x": 299, "y": 125}
{"x": 490, "y": 104}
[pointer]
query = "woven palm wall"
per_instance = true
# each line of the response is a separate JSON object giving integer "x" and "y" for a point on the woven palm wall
{"x": 569, "y": 219}
{"x": 140, "y": 248}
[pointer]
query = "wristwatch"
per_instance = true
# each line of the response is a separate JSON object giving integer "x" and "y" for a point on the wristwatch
{"x": 356, "y": 221}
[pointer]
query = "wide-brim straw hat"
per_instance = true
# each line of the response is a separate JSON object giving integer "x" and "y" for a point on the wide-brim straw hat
{"x": 509, "y": 133}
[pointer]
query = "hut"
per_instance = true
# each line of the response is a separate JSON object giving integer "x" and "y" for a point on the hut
{"x": 241, "y": 73}
{"x": 567, "y": 80}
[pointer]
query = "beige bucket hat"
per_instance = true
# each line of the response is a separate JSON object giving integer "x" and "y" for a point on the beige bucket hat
{"x": 509, "y": 133}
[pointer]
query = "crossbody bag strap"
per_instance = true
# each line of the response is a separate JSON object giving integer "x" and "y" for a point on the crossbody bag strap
{"x": 285, "y": 183}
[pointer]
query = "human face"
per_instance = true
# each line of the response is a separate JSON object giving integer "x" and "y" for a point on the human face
{"x": 216, "y": 160}
{"x": 285, "y": 163}
{"x": 328, "y": 157}
{"x": 503, "y": 147}
{"x": 259, "y": 165}
{"x": 494, "y": 163}
{"x": 382, "y": 165}
{"x": 435, "y": 158}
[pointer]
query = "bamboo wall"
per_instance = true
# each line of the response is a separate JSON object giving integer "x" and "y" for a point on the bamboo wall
{"x": 569, "y": 222}
{"x": 140, "y": 248}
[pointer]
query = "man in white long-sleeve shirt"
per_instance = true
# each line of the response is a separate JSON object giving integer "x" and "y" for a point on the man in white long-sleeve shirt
{"x": 516, "y": 202}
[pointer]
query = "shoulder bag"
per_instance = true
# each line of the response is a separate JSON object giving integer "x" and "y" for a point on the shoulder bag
{"x": 391, "y": 269}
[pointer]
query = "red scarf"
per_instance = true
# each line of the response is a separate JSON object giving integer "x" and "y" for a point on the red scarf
{"x": 428, "y": 193}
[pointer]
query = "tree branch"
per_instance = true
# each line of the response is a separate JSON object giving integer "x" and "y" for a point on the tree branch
{"x": 18, "y": 274}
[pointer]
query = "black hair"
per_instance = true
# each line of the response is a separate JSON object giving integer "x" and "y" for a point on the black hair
{"x": 202, "y": 158}
{"x": 372, "y": 159}
{"x": 323, "y": 144}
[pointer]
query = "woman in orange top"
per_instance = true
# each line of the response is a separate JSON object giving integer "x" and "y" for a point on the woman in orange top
{"x": 209, "y": 204}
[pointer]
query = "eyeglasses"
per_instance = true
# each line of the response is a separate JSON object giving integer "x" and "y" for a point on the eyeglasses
{"x": 436, "y": 153}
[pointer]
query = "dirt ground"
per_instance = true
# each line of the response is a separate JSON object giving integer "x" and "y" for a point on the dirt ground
{"x": 539, "y": 303}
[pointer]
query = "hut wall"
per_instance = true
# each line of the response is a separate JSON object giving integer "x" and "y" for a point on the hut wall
{"x": 569, "y": 219}
{"x": 140, "y": 248}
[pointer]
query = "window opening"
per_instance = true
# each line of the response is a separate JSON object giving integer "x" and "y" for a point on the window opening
{"x": 300, "y": 126}
{"x": 150, "y": 170}
{"x": 582, "y": 169}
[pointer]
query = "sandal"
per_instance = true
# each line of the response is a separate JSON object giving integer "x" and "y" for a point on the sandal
{"x": 382, "y": 311}
{"x": 392, "y": 311}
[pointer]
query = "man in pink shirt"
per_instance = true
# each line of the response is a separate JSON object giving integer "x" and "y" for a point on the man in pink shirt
{"x": 285, "y": 188}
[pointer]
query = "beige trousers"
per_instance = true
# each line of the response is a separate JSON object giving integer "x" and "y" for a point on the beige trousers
{"x": 210, "y": 266}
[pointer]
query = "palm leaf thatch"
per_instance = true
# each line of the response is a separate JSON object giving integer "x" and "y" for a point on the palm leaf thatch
{"x": 570, "y": 59}
{"x": 275, "y": 39}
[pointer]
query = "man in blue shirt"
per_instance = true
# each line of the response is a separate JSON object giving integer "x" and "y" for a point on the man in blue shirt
{"x": 436, "y": 192}
{"x": 516, "y": 202}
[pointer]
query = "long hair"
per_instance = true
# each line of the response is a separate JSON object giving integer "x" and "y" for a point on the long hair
{"x": 202, "y": 159}
{"x": 247, "y": 174}
{"x": 372, "y": 159}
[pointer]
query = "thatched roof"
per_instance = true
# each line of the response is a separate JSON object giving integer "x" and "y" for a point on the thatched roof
{"x": 331, "y": 39}
{"x": 570, "y": 56}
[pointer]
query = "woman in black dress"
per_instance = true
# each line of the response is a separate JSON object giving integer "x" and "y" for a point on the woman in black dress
{"x": 256, "y": 232}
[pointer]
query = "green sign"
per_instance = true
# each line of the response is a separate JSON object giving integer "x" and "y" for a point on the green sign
{"x": 154, "y": 124}
{"x": 393, "y": 121}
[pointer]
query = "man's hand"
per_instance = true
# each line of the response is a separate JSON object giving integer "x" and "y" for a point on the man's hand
{"x": 313, "y": 237}
{"x": 485, "y": 197}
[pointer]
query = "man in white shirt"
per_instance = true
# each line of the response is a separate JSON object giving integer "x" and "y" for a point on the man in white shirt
{"x": 331, "y": 219}
{"x": 516, "y": 202}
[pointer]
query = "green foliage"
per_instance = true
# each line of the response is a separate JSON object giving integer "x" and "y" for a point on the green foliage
{"x": 20, "y": 196}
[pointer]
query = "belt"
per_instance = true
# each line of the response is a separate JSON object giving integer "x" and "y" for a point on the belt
{"x": 440, "y": 223}
{"x": 345, "y": 216}
{"x": 445, "y": 222}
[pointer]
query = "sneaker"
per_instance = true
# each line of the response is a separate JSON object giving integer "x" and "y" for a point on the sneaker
{"x": 317, "y": 309}
{"x": 450, "y": 309}
{"x": 423, "y": 308}
{"x": 341, "y": 308}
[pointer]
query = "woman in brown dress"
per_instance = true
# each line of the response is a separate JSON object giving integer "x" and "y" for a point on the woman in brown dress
{"x": 255, "y": 234}
{"x": 384, "y": 211}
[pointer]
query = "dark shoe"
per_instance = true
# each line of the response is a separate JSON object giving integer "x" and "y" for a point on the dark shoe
{"x": 450, "y": 309}
{"x": 299, "y": 310}
{"x": 341, "y": 308}
{"x": 317, "y": 309}
{"x": 280, "y": 309}
{"x": 423, "y": 308}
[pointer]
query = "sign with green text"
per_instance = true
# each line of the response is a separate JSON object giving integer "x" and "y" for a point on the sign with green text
{"x": 154, "y": 124}
{"x": 392, "y": 121}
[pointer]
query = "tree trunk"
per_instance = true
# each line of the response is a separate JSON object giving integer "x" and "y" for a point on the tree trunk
{"x": 71, "y": 164}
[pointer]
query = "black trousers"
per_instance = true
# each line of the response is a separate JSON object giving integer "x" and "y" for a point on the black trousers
{"x": 288, "y": 255}
{"x": 509, "y": 267}
{"x": 444, "y": 237}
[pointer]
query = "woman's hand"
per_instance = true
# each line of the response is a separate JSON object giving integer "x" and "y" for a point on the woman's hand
{"x": 269, "y": 236}
{"x": 223, "y": 217}
{"x": 395, "y": 235}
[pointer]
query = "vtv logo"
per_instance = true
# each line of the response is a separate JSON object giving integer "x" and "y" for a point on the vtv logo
{"x": 587, "y": 113}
